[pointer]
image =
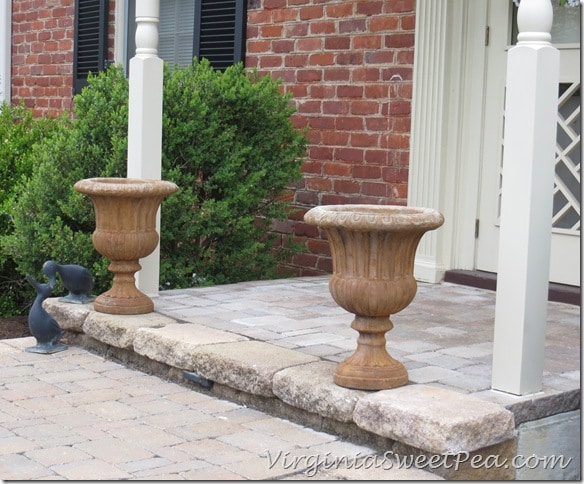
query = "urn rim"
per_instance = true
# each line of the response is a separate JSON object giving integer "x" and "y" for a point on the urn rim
{"x": 374, "y": 217}
{"x": 123, "y": 187}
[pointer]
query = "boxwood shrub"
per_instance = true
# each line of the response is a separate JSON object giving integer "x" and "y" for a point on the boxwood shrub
{"x": 19, "y": 132}
{"x": 228, "y": 143}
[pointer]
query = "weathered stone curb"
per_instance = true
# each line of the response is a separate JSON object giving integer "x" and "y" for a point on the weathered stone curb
{"x": 311, "y": 388}
{"x": 427, "y": 418}
{"x": 70, "y": 316}
{"x": 434, "y": 419}
{"x": 176, "y": 344}
{"x": 249, "y": 366}
{"x": 120, "y": 331}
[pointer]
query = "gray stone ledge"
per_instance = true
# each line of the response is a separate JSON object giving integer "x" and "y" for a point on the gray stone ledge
{"x": 437, "y": 423}
{"x": 526, "y": 408}
{"x": 545, "y": 406}
{"x": 434, "y": 419}
{"x": 69, "y": 316}
{"x": 246, "y": 365}
{"x": 118, "y": 330}
{"x": 277, "y": 407}
{"x": 311, "y": 387}
{"x": 175, "y": 344}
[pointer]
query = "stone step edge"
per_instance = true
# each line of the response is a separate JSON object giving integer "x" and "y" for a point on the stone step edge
{"x": 428, "y": 418}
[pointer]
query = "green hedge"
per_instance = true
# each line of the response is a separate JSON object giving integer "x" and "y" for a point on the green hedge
{"x": 228, "y": 143}
{"x": 19, "y": 133}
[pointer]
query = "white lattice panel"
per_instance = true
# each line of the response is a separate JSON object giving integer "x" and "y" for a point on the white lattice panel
{"x": 566, "y": 214}
{"x": 568, "y": 161}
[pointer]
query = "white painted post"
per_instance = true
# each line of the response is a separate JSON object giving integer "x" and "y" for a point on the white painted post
{"x": 5, "y": 51}
{"x": 526, "y": 205}
{"x": 145, "y": 120}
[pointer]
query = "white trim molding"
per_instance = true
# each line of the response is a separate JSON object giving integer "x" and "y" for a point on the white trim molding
{"x": 5, "y": 51}
{"x": 428, "y": 127}
{"x": 120, "y": 27}
{"x": 446, "y": 130}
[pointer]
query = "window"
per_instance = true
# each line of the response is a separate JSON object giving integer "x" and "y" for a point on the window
{"x": 90, "y": 51}
{"x": 220, "y": 32}
{"x": 175, "y": 30}
{"x": 212, "y": 29}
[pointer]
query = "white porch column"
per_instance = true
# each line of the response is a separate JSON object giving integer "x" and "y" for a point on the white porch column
{"x": 526, "y": 206}
{"x": 5, "y": 51}
{"x": 427, "y": 134}
{"x": 145, "y": 120}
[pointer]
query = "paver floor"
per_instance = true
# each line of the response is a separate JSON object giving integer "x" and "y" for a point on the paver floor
{"x": 444, "y": 337}
{"x": 77, "y": 416}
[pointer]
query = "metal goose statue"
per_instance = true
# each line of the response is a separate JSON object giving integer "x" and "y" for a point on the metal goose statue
{"x": 41, "y": 324}
{"x": 76, "y": 279}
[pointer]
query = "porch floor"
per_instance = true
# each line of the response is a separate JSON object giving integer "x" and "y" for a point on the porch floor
{"x": 444, "y": 337}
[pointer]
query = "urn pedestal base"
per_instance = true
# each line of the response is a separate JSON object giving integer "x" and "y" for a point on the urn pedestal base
{"x": 124, "y": 297}
{"x": 370, "y": 367}
{"x": 139, "y": 304}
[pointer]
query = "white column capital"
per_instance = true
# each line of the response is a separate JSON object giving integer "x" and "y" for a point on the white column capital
{"x": 147, "y": 19}
{"x": 534, "y": 22}
{"x": 148, "y": 8}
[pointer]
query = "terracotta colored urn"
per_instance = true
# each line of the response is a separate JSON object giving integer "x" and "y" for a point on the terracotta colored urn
{"x": 125, "y": 231}
{"x": 373, "y": 249}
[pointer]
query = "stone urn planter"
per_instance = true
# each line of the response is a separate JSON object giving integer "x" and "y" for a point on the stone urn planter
{"x": 373, "y": 249}
{"x": 125, "y": 231}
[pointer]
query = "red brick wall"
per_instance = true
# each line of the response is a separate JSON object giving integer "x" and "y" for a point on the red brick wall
{"x": 42, "y": 54}
{"x": 349, "y": 66}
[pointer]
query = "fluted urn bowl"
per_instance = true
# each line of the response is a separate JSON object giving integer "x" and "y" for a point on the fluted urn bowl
{"x": 125, "y": 231}
{"x": 373, "y": 249}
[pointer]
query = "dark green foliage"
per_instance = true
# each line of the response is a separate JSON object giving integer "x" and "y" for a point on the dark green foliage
{"x": 230, "y": 146}
{"x": 228, "y": 143}
{"x": 51, "y": 220}
{"x": 19, "y": 132}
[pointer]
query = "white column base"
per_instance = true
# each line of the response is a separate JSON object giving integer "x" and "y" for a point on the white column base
{"x": 427, "y": 269}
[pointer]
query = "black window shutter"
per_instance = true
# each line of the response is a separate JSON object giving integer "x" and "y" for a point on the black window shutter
{"x": 90, "y": 54}
{"x": 219, "y": 32}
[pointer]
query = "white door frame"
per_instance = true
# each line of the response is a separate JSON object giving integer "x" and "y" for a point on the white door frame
{"x": 446, "y": 134}
{"x": 565, "y": 243}
{"x": 495, "y": 76}
{"x": 448, "y": 119}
